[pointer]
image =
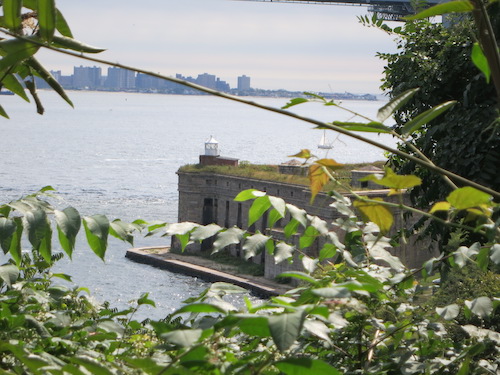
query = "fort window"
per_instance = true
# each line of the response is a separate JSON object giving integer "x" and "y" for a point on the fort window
{"x": 364, "y": 184}
{"x": 239, "y": 222}
{"x": 291, "y": 193}
{"x": 226, "y": 218}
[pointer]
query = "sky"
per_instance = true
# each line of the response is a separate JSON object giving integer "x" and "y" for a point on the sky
{"x": 304, "y": 47}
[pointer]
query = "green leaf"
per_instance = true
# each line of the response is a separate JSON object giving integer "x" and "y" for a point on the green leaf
{"x": 448, "y": 312}
{"x": 300, "y": 276}
{"x": 318, "y": 328}
{"x": 180, "y": 228}
{"x": 394, "y": 104}
{"x": 97, "y": 230}
{"x": 254, "y": 245}
{"x": 7, "y": 230}
{"x": 459, "y": 6}
{"x": 258, "y": 208}
{"x": 426, "y": 117}
{"x": 182, "y": 337}
{"x": 283, "y": 251}
{"x": 309, "y": 264}
{"x": 468, "y": 197}
{"x": 369, "y": 127}
{"x": 376, "y": 213}
{"x": 15, "y": 244}
{"x": 231, "y": 236}
{"x": 248, "y": 194}
{"x": 9, "y": 274}
{"x": 464, "y": 254}
{"x": 291, "y": 228}
{"x": 144, "y": 300}
{"x": 495, "y": 254}
{"x": 62, "y": 26}
{"x": 16, "y": 52}
{"x": 203, "y": 232}
{"x": 480, "y": 61}
{"x": 40, "y": 232}
{"x": 298, "y": 214}
{"x": 11, "y": 82}
{"x": 145, "y": 365}
{"x": 226, "y": 288}
{"x": 203, "y": 308}
{"x": 255, "y": 326}
{"x": 285, "y": 328}
{"x": 12, "y": 14}
{"x": 482, "y": 259}
{"x": 63, "y": 276}
{"x": 305, "y": 366}
{"x": 68, "y": 225}
{"x": 393, "y": 180}
{"x": 47, "y": 77}
{"x": 440, "y": 206}
{"x": 482, "y": 307}
{"x": 327, "y": 251}
{"x": 47, "y": 19}
{"x": 3, "y": 113}
{"x": 92, "y": 365}
{"x": 294, "y": 102}
{"x": 308, "y": 237}
{"x": 121, "y": 230}
{"x": 333, "y": 292}
{"x": 279, "y": 205}
{"x": 75, "y": 45}
{"x": 273, "y": 217}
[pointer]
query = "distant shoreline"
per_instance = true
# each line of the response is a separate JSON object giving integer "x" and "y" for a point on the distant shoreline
{"x": 251, "y": 93}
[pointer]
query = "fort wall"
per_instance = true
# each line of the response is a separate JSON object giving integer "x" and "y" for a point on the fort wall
{"x": 207, "y": 198}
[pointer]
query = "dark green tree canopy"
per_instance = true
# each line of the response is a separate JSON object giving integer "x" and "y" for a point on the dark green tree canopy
{"x": 466, "y": 139}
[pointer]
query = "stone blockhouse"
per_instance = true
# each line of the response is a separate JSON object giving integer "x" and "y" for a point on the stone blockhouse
{"x": 206, "y": 198}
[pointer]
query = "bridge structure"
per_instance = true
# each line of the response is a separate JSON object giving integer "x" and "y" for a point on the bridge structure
{"x": 390, "y": 10}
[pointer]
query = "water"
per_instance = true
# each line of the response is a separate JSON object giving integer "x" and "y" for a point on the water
{"x": 117, "y": 153}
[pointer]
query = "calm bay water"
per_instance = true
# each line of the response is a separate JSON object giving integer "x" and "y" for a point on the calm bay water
{"x": 117, "y": 154}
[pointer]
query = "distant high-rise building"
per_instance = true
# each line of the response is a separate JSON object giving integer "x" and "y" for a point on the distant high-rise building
{"x": 120, "y": 79}
{"x": 207, "y": 80}
{"x": 222, "y": 85}
{"x": 243, "y": 83}
{"x": 86, "y": 77}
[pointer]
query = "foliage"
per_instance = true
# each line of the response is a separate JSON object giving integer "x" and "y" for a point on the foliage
{"x": 270, "y": 172}
{"x": 363, "y": 313}
{"x": 31, "y": 25}
{"x": 438, "y": 60}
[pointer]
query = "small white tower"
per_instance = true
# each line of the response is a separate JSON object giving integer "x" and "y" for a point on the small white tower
{"x": 212, "y": 147}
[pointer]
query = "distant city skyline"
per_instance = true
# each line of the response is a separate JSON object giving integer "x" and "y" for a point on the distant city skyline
{"x": 118, "y": 79}
{"x": 300, "y": 47}
{"x": 92, "y": 78}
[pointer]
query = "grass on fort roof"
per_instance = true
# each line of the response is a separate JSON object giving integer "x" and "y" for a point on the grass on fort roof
{"x": 270, "y": 172}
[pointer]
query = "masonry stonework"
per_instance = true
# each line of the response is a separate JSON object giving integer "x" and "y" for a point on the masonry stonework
{"x": 207, "y": 198}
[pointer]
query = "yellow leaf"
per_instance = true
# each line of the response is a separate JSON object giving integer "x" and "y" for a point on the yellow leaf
{"x": 318, "y": 178}
{"x": 329, "y": 163}
{"x": 304, "y": 154}
{"x": 440, "y": 206}
{"x": 376, "y": 213}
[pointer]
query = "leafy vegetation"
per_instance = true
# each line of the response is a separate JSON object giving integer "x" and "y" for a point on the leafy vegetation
{"x": 358, "y": 308}
{"x": 271, "y": 172}
{"x": 438, "y": 60}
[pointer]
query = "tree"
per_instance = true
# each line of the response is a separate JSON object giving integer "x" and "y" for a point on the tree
{"x": 466, "y": 139}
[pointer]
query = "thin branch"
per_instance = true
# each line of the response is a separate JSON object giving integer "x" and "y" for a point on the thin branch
{"x": 318, "y": 123}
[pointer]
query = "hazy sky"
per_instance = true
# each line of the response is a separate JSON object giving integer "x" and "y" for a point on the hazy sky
{"x": 290, "y": 46}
